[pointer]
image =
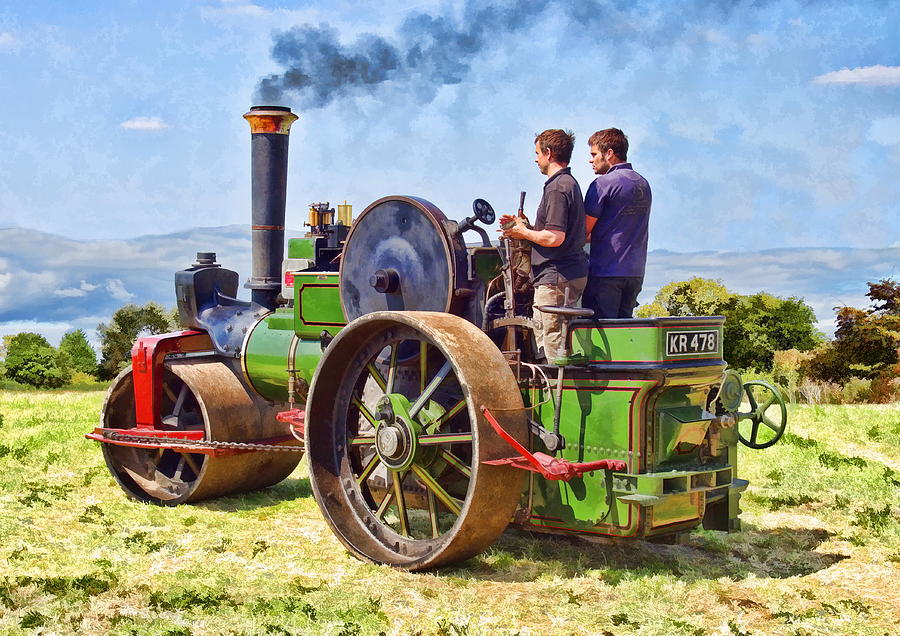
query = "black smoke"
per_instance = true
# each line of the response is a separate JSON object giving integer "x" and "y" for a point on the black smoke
{"x": 435, "y": 50}
{"x": 430, "y": 51}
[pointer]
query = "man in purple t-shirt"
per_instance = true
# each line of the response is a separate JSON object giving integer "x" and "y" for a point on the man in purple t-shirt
{"x": 617, "y": 205}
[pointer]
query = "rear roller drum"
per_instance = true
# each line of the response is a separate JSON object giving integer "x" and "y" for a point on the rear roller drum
{"x": 205, "y": 396}
{"x": 396, "y": 439}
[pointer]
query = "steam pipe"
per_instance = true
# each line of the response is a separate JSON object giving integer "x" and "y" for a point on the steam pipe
{"x": 269, "y": 130}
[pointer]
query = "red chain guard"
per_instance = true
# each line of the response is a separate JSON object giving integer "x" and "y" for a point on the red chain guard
{"x": 554, "y": 468}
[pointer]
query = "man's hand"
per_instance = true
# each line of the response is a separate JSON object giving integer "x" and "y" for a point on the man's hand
{"x": 546, "y": 238}
{"x": 516, "y": 231}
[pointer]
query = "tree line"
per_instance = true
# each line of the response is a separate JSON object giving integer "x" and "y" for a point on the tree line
{"x": 30, "y": 359}
{"x": 762, "y": 333}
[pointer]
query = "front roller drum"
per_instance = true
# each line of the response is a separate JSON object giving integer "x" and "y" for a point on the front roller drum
{"x": 197, "y": 395}
{"x": 397, "y": 441}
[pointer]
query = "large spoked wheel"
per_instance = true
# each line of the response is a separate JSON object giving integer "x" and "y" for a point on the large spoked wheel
{"x": 765, "y": 421}
{"x": 205, "y": 396}
{"x": 396, "y": 439}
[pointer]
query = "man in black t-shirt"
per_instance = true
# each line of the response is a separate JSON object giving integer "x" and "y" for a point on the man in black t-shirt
{"x": 558, "y": 261}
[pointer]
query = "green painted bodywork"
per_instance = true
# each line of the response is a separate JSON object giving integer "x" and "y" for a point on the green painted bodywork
{"x": 647, "y": 409}
{"x": 302, "y": 248}
{"x": 266, "y": 357}
{"x": 317, "y": 304}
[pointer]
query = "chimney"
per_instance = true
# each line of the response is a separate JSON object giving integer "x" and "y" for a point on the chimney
{"x": 269, "y": 130}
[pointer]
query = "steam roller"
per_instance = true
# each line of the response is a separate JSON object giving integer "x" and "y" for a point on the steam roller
{"x": 401, "y": 358}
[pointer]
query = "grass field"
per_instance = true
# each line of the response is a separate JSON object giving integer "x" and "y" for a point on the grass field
{"x": 819, "y": 552}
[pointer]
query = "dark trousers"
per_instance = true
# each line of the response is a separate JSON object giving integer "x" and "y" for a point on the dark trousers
{"x": 612, "y": 296}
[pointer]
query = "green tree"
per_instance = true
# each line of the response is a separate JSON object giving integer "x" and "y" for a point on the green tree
{"x": 866, "y": 342}
{"x": 694, "y": 297}
{"x": 759, "y": 325}
{"x": 755, "y": 326}
{"x": 30, "y": 359}
{"x": 84, "y": 358}
{"x": 127, "y": 324}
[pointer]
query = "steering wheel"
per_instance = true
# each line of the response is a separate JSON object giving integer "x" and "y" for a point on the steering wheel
{"x": 767, "y": 408}
{"x": 483, "y": 211}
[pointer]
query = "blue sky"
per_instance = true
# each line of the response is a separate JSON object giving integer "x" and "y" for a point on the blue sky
{"x": 760, "y": 125}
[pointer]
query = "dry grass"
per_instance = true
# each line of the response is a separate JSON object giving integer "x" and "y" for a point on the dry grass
{"x": 818, "y": 554}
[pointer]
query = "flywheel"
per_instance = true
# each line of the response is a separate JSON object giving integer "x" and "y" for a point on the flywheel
{"x": 397, "y": 448}
{"x": 399, "y": 256}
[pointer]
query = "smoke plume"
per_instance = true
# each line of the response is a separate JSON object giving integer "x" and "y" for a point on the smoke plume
{"x": 429, "y": 51}
{"x": 434, "y": 49}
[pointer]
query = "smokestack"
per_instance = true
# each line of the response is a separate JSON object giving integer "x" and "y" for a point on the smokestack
{"x": 269, "y": 130}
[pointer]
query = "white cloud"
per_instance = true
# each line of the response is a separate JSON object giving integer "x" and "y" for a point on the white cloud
{"x": 116, "y": 289}
{"x": 144, "y": 123}
{"x": 877, "y": 75}
{"x": 8, "y": 41}
{"x": 885, "y": 131}
{"x": 69, "y": 292}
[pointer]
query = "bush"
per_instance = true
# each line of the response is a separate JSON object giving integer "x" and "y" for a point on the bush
{"x": 886, "y": 386}
{"x": 856, "y": 391}
{"x": 31, "y": 360}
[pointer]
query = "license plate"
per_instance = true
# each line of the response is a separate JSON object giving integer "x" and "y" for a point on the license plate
{"x": 686, "y": 343}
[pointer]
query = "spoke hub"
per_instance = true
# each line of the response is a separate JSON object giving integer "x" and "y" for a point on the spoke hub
{"x": 395, "y": 441}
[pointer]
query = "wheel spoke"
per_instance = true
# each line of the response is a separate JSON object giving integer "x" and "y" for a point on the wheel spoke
{"x": 423, "y": 364}
{"x": 400, "y": 500}
{"x": 364, "y": 411}
{"x": 168, "y": 392}
{"x": 179, "y": 403}
{"x": 392, "y": 369}
{"x": 751, "y": 399}
{"x": 362, "y": 440}
{"x": 433, "y": 514}
{"x": 772, "y": 425}
{"x": 456, "y": 462}
{"x": 769, "y": 402}
{"x": 430, "y": 483}
{"x": 422, "y": 400}
{"x": 179, "y": 468}
{"x": 445, "y": 438}
{"x": 443, "y": 419}
{"x": 372, "y": 465}
{"x": 190, "y": 461}
{"x": 754, "y": 431}
{"x": 376, "y": 375}
{"x": 383, "y": 506}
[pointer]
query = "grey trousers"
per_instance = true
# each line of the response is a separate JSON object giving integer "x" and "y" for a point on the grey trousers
{"x": 548, "y": 331}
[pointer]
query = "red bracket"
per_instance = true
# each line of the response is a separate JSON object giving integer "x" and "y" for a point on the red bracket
{"x": 554, "y": 468}
{"x": 296, "y": 418}
{"x": 147, "y": 357}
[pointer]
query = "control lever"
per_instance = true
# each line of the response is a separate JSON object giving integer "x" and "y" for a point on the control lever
{"x": 484, "y": 213}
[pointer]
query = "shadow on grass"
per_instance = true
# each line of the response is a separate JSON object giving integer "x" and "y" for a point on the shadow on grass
{"x": 781, "y": 552}
{"x": 289, "y": 490}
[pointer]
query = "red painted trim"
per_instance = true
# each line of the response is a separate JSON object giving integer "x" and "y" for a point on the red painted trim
{"x": 147, "y": 358}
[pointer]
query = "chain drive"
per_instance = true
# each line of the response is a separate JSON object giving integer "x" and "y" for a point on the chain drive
{"x": 188, "y": 443}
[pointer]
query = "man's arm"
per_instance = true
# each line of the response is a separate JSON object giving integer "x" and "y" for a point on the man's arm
{"x": 593, "y": 207}
{"x": 589, "y": 222}
{"x": 545, "y": 238}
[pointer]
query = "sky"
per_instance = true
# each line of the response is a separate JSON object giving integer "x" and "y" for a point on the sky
{"x": 759, "y": 125}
